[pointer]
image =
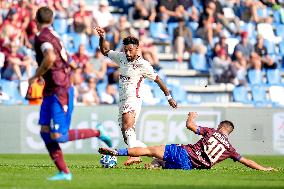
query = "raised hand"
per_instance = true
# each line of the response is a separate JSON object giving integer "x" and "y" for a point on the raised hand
{"x": 100, "y": 31}
{"x": 192, "y": 115}
{"x": 173, "y": 103}
{"x": 270, "y": 169}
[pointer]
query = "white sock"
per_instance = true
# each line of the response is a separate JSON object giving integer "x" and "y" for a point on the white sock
{"x": 131, "y": 137}
{"x": 140, "y": 144}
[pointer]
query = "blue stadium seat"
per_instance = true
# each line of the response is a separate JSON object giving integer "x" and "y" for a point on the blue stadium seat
{"x": 276, "y": 17}
{"x": 197, "y": 41}
{"x": 171, "y": 27}
{"x": 255, "y": 77}
{"x": 240, "y": 94}
{"x": 280, "y": 30}
{"x": 79, "y": 39}
{"x": 60, "y": 25}
{"x": 250, "y": 28}
{"x": 158, "y": 93}
{"x": 67, "y": 41}
{"x": 158, "y": 31}
{"x": 259, "y": 95}
{"x": 281, "y": 48}
{"x": 11, "y": 89}
{"x": 178, "y": 94}
{"x": 193, "y": 26}
{"x": 101, "y": 88}
{"x": 198, "y": 62}
{"x": 198, "y": 5}
{"x": 270, "y": 47}
{"x": 94, "y": 41}
{"x": 273, "y": 77}
{"x": 262, "y": 12}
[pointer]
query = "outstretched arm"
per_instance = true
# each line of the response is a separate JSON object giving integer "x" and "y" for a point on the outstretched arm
{"x": 254, "y": 165}
{"x": 103, "y": 45}
{"x": 164, "y": 88}
{"x": 190, "y": 122}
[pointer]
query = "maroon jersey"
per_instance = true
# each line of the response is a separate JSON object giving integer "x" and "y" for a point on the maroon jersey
{"x": 57, "y": 78}
{"x": 213, "y": 148}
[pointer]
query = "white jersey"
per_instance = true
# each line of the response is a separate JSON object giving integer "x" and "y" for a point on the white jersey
{"x": 132, "y": 75}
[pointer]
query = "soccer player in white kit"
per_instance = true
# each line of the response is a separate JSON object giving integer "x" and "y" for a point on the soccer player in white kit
{"x": 133, "y": 70}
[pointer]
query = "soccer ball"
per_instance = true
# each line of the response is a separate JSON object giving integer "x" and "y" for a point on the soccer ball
{"x": 108, "y": 161}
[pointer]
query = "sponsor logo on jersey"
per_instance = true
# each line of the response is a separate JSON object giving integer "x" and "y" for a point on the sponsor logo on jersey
{"x": 124, "y": 78}
{"x": 134, "y": 66}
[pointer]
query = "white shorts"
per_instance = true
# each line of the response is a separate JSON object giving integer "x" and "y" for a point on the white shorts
{"x": 128, "y": 106}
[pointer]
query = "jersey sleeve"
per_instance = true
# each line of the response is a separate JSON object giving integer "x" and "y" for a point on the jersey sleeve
{"x": 234, "y": 155}
{"x": 148, "y": 71}
{"x": 114, "y": 56}
{"x": 203, "y": 130}
{"x": 45, "y": 46}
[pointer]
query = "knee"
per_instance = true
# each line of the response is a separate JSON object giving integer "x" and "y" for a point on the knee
{"x": 45, "y": 134}
{"x": 127, "y": 126}
{"x": 59, "y": 137}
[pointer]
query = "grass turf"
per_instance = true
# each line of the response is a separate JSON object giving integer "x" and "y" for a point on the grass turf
{"x": 31, "y": 171}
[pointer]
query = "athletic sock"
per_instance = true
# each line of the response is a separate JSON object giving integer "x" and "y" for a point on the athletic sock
{"x": 122, "y": 152}
{"x": 140, "y": 144}
{"x": 131, "y": 137}
{"x": 57, "y": 156}
{"x": 77, "y": 134}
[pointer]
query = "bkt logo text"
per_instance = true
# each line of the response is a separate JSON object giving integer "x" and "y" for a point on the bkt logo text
{"x": 167, "y": 126}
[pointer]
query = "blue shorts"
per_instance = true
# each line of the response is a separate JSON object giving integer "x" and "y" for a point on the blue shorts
{"x": 176, "y": 157}
{"x": 52, "y": 113}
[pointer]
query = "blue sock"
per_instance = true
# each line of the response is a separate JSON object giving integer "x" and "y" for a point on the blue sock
{"x": 122, "y": 152}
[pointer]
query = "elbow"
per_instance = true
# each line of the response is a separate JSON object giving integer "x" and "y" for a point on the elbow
{"x": 104, "y": 52}
{"x": 190, "y": 126}
{"x": 52, "y": 58}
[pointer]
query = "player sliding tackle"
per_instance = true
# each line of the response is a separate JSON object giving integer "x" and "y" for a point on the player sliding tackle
{"x": 211, "y": 149}
{"x": 57, "y": 105}
{"x": 133, "y": 70}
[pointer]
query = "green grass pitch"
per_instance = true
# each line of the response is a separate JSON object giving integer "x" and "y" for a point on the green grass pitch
{"x": 31, "y": 171}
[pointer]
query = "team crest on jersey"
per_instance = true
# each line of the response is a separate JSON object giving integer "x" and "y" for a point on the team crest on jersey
{"x": 134, "y": 66}
{"x": 56, "y": 127}
{"x": 65, "y": 108}
{"x": 198, "y": 153}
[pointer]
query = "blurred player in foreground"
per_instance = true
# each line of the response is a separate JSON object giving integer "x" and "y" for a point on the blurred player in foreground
{"x": 213, "y": 148}
{"x": 57, "y": 106}
{"x": 133, "y": 70}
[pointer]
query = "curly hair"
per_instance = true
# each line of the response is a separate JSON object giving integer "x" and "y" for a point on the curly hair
{"x": 130, "y": 40}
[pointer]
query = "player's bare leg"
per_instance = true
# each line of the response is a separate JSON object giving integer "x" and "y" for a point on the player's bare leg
{"x": 155, "y": 151}
{"x": 151, "y": 151}
{"x": 128, "y": 121}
